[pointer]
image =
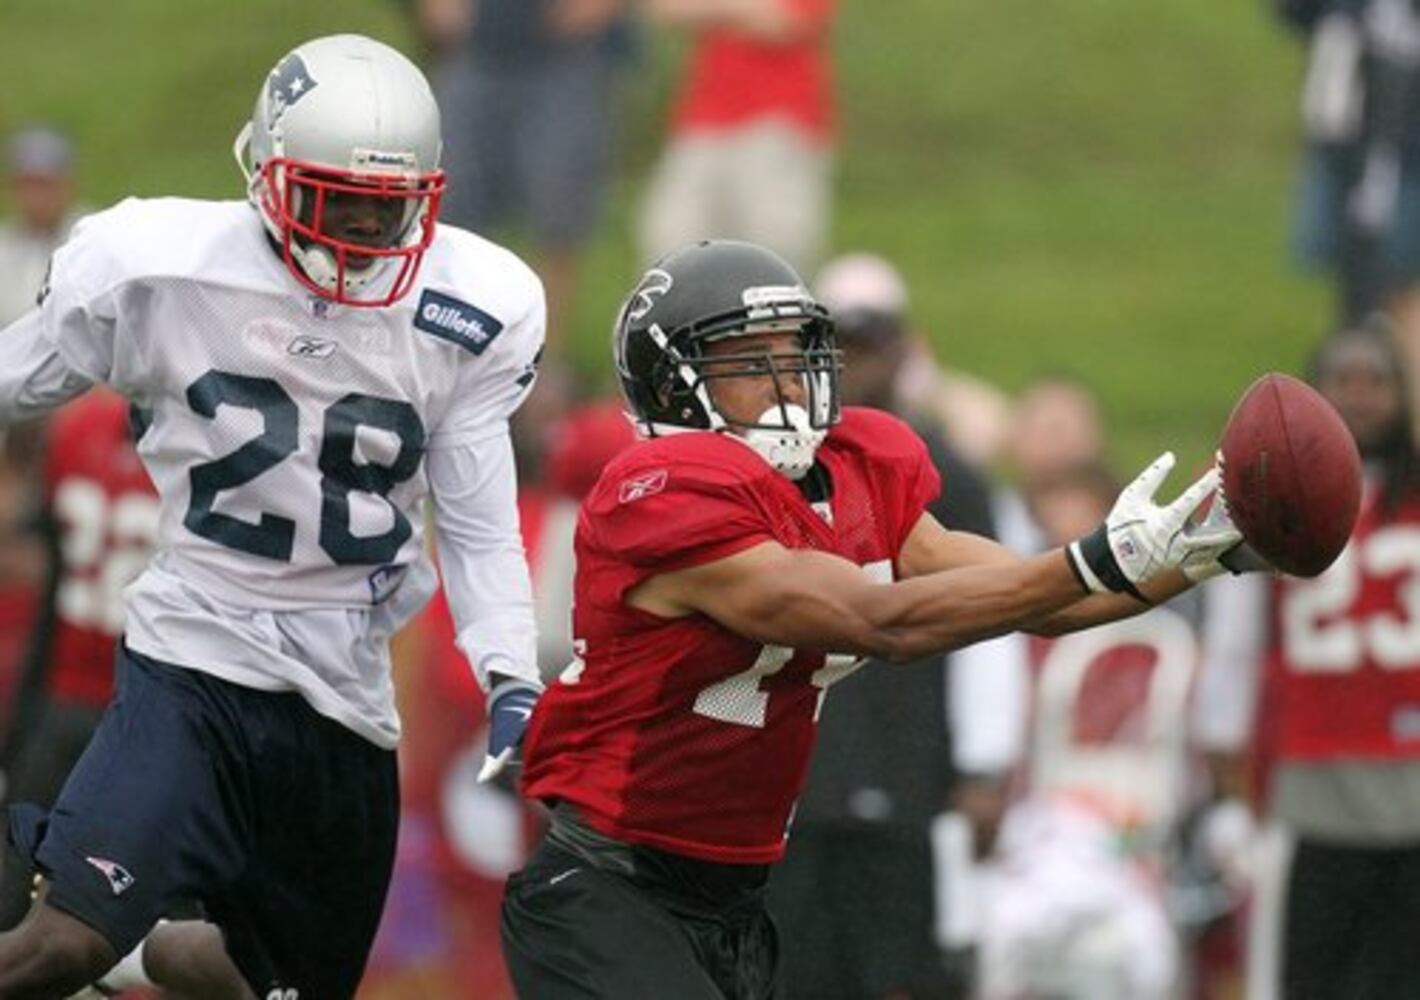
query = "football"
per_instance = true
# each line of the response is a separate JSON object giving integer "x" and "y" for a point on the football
{"x": 1291, "y": 474}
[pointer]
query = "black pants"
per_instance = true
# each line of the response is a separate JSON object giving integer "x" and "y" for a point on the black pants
{"x": 572, "y": 929}
{"x": 1352, "y": 923}
{"x": 280, "y": 822}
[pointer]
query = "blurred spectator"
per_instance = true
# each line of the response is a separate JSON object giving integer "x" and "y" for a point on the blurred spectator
{"x": 528, "y": 89}
{"x": 1320, "y": 679}
{"x": 22, "y": 568}
{"x": 1056, "y": 428}
{"x": 1072, "y": 901}
{"x": 973, "y": 415}
{"x": 1358, "y": 207}
{"x": 40, "y": 194}
{"x": 750, "y": 146}
{"x": 1055, "y": 449}
{"x": 104, "y": 514}
{"x": 855, "y": 893}
{"x": 40, "y": 189}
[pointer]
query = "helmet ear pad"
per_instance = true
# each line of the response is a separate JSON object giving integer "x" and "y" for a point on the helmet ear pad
{"x": 675, "y": 396}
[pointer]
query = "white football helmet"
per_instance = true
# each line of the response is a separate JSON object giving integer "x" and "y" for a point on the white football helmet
{"x": 341, "y": 158}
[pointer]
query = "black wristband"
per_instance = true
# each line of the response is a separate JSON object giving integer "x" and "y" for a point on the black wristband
{"x": 1095, "y": 549}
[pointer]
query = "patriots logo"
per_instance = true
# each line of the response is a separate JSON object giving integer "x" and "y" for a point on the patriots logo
{"x": 288, "y": 83}
{"x": 645, "y": 485}
{"x": 654, "y": 284}
{"x": 119, "y": 879}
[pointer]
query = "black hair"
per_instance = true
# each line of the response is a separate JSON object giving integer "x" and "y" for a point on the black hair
{"x": 1394, "y": 453}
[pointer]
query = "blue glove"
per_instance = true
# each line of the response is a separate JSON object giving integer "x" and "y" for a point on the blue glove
{"x": 510, "y": 706}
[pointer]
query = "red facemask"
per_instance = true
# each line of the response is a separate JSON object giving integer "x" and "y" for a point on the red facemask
{"x": 341, "y": 230}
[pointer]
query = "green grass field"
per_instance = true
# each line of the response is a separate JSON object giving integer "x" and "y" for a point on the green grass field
{"x": 1100, "y": 186}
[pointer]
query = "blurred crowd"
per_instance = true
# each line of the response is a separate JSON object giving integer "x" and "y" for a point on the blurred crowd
{"x": 1217, "y": 799}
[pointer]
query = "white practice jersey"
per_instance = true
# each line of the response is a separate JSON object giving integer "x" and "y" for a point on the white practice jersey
{"x": 293, "y": 442}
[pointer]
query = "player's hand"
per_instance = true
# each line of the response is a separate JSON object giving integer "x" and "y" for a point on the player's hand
{"x": 1215, "y": 546}
{"x": 1140, "y": 539}
{"x": 510, "y": 706}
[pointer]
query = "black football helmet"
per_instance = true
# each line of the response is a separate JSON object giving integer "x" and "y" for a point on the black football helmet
{"x": 706, "y": 292}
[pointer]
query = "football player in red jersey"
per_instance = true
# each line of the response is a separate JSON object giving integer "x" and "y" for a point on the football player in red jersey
{"x": 729, "y": 569}
{"x": 105, "y": 514}
{"x": 1338, "y": 720}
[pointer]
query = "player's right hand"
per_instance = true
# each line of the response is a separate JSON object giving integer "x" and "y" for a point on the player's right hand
{"x": 510, "y": 707}
{"x": 1140, "y": 539}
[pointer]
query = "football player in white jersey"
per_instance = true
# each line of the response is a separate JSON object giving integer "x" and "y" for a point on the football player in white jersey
{"x": 318, "y": 361}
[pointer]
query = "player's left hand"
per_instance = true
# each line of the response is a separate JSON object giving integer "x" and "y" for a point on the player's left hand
{"x": 1217, "y": 547}
{"x": 510, "y": 706}
{"x": 1141, "y": 539}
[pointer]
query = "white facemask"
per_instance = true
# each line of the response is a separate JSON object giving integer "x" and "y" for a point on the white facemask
{"x": 790, "y": 450}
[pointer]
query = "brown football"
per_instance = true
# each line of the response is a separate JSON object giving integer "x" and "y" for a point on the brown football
{"x": 1291, "y": 474}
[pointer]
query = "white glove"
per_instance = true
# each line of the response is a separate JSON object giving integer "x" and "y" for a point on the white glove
{"x": 1139, "y": 539}
{"x": 1217, "y": 546}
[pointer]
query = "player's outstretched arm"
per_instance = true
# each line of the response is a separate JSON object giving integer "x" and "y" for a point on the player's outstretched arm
{"x": 808, "y": 599}
{"x": 960, "y": 589}
{"x": 932, "y": 548}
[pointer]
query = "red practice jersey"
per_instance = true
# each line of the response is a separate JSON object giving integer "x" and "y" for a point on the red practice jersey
{"x": 1343, "y": 674}
{"x": 678, "y": 733}
{"x": 107, "y": 513}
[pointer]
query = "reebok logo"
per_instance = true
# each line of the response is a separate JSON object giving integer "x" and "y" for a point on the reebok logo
{"x": 118, "y": 877}
{"x": 455, "y": 321}
{"x": 645, "y": 485}
{"x": 310, "y": 347}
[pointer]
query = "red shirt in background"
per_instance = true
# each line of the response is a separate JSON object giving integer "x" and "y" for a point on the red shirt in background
{"x": 734, "y": 79}
{"x": 107, "y": 511}
{"x": 1343, "y": 677}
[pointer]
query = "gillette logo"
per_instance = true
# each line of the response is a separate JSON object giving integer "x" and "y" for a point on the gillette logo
{"x": 457, "y": 322}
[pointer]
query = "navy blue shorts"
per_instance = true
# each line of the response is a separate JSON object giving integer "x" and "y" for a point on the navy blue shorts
{"x": 279, "y": 823}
